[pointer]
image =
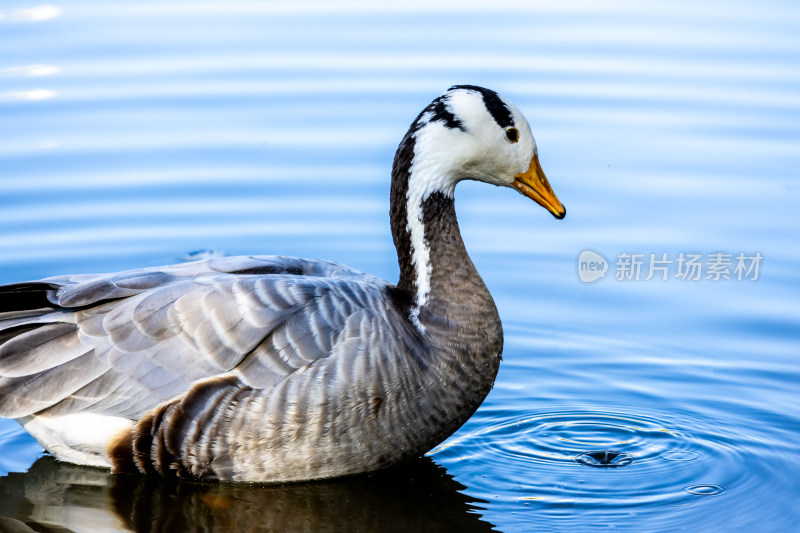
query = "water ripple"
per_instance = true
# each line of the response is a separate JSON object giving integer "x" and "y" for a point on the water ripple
{"x": 660, "y": 459}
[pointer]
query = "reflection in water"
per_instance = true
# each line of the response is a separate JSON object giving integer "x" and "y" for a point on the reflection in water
{"x": 53, "y": 496}
{"x": 32, "y": 70}
{"x": 31, "y": 95}
{"x": 36, "y": 14}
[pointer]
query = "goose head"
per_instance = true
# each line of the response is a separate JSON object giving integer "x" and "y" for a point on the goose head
{"x": 468, "y": 133}
{"x": 472, "y": 133}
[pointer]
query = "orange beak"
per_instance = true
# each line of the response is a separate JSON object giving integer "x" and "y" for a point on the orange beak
{"x": 533, "y": 184}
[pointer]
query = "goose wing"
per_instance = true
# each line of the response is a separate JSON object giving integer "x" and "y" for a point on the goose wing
{"x": 123, "y": 344}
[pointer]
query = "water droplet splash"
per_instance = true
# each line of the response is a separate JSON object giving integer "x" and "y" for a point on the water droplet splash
{"x": 604, "y": 459}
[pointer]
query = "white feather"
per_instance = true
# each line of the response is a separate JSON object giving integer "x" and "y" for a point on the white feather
{"x": 80, "y": 438}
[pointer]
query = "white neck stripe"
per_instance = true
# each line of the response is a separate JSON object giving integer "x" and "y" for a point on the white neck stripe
{"x": 426, "y": 176}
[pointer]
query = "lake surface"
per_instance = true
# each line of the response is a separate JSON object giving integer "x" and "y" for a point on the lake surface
{"x": 147, "y": 133}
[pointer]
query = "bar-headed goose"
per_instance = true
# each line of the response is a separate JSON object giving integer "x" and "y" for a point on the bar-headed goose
{"x": 270, "y": 368}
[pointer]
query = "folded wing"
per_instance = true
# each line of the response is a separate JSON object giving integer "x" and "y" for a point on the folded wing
{"x": 120, "y": 345}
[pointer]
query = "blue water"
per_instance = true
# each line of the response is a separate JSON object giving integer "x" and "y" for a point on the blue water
{"x": 133, "y": 135}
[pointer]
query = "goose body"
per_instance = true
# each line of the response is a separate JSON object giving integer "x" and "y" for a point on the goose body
{"x": 270, "y": 368}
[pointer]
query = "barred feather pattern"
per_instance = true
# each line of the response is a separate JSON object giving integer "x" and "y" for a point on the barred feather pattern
{"x": 260, "y": 369}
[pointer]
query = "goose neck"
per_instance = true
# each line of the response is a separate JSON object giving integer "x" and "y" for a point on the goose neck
{"x": 435, "y": 269}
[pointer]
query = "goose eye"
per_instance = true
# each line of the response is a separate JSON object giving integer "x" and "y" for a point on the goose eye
{"x": 512, "y": 135}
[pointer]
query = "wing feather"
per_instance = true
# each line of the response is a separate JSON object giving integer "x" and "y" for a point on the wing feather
{"x": 40, "y": 348}
{"x": 26, "y": 395}
{"x": 89, "y": 292}
{"x": 141, "y": 338}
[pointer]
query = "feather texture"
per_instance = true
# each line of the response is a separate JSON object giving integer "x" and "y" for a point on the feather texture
{"x": 162, "y": 329}
{"x": 174, "y": 349}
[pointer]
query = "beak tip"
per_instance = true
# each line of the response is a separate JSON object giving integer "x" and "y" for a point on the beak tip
{"x": 561, "y": 213}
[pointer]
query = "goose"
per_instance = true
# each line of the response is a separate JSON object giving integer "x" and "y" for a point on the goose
{"x": 279, "y": 369}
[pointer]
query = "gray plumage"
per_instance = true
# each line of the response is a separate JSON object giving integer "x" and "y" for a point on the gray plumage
{"x": 264, "y": 368}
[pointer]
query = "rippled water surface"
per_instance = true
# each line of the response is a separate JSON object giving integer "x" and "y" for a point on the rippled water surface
{"x": 141, "y": 134}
